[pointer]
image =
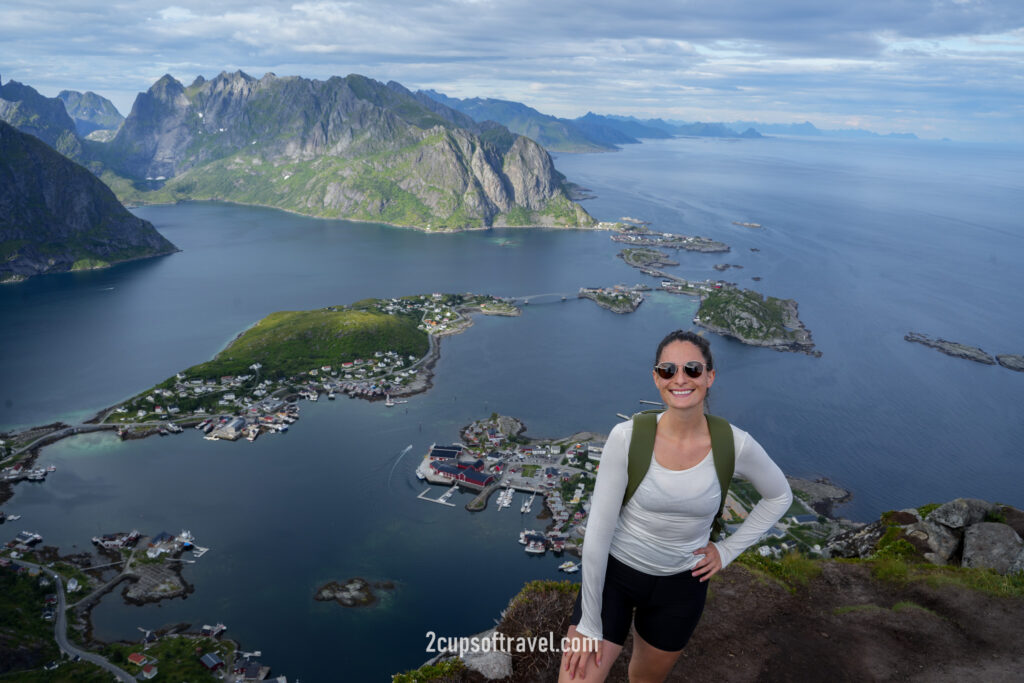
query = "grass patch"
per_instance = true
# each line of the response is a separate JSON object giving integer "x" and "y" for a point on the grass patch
{"x": 904, "y": 605}
{"x": 847, "y": 609}
{"x": 448, "y": 670}
{"x": 925, "y": 510}
{"x": 791, "y": 571}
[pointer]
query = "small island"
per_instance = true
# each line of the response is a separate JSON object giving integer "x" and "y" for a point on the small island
{"x": 646, "y": 258}
{"x": 639, "y": 235}
{"x": 754, "y": 319}
{"x": 355, "y": 592}
{"x": 957, "y": 350}
{"x": 618, "y": 299}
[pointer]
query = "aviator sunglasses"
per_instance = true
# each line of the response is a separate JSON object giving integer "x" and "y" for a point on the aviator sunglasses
{"x": 693, "y": 369}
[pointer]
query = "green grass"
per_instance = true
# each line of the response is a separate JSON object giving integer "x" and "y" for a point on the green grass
{"x": 448, "y": 670}
{"x": 177, "y": 657}
{"x": 792, "y": 571}
{"x": 67, "y": 672}
{"x": 291, "y": 342}
{"x": 21, "y": 624}
{"x": 745, "y": 312}
{"x": 848, "y": 609}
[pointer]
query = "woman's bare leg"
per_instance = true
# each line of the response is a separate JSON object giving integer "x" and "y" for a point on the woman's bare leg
{"x": 648, "y": 664}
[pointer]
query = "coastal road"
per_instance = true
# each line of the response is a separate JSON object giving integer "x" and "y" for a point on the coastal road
{"x": 60, "y": 631}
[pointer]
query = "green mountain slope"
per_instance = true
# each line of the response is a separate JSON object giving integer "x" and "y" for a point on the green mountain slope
{"x": 346, "y": 147}
{"x": 56, "y": 216}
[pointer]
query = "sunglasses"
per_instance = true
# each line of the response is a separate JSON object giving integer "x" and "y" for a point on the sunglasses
{"x": 693, "y": 369}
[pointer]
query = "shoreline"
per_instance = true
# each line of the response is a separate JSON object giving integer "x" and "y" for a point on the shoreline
{"x": 58, "y": 431}
{"x": 597, "y": 227}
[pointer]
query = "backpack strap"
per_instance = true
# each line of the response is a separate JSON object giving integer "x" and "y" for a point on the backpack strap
{"x": 723, "y": 450}
{"x": 641, "y": 448}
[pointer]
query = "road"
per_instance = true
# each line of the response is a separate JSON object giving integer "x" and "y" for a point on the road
{"x": 60, "y": 631}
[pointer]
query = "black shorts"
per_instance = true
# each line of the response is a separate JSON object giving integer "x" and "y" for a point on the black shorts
{"x": 667, "y": 608}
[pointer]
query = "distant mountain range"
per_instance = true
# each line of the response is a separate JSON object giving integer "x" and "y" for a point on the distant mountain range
{"x": 588, "y": 133}
{"x": 809, "y": 129}
{"x": 91, "y": 113}
{"x": 56, "y": 216}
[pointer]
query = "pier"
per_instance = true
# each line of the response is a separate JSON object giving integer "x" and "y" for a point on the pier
{"x": 443, "y": 500}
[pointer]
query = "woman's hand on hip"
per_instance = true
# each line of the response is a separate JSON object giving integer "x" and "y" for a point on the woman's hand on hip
{"x": 708, "y": 565}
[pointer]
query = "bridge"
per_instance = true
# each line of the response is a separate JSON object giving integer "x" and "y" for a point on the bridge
{"x": 548, "y": 298}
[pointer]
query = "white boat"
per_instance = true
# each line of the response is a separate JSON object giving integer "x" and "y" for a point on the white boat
{"x": 51, "y": 468}
{"x": 13, "y": 518}
{"x": 389, "y": 402}
{"x": 536, "y": 547}
{"x": 569, "y": 566}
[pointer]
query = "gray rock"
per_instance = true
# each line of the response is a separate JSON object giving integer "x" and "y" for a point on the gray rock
{"x": 960, "y": 513}
{"x": 993, "y": 546}
{"x": 493, "y": 664}
{"x": 856, "y": 543}
{"x": 940, "y": 541}
{"x": 1011, "y": 361}
{"x": 1013, "y": 517}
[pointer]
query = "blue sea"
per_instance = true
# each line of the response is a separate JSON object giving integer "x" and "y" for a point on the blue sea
{"x": 873, "y": 239}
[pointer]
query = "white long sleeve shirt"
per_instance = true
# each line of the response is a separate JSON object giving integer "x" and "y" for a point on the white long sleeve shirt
{"x": 669, "y": 515}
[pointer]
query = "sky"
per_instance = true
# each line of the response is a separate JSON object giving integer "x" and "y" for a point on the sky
{"x": 937, "y": 68}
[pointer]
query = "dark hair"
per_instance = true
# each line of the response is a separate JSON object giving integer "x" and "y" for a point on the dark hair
{"x": 686, "y": 336}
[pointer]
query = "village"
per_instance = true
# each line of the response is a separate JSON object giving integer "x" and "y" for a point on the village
{"x": 232, "y": 407}
{"x": 558, "y": 475}
{"x": 152, "y": 565}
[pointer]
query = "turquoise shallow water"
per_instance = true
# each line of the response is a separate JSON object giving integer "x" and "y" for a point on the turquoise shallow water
{"x": 872, "y": 240}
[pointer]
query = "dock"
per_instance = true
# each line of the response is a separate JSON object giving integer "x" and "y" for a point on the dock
{"x": 443, "y": 500}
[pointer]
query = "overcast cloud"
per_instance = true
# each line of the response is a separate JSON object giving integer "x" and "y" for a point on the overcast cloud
{"x": 933, "y": 67}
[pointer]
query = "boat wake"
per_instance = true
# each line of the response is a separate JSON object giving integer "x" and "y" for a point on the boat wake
{"x": 397, "y": 460}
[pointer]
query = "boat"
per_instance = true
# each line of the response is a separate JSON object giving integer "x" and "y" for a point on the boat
{"x": 51, "y": 468}
{"x": 389, "y": 402}
{"x": 13, "y": 518}
{"x": 174, "y": 428}
{"x": 569, "y": 566}
{"x": 330, "y": 396}
{"x": 536, "y": 547}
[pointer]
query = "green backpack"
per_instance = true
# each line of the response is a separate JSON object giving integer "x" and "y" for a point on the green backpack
{"x": 641, "y": 446}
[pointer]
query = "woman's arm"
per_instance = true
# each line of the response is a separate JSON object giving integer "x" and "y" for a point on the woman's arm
{"x": 753, "y": 464}
{"x": 604, "y": 513}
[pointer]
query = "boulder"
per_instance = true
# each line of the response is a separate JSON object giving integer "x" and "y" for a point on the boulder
{"x": 993, "y": 545}
{"x": 856, "y": 543}
{"x": 1013, "y": 517}
{"x": 490, "y": 662}
{"x": 939, "y": 543}
{"x": 960, "y": 513}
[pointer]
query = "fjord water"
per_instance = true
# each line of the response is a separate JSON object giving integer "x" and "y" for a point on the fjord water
{"x": 873, "y": 240}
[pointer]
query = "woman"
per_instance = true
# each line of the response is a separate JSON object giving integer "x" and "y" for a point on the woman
{"x": 653, "y": 555}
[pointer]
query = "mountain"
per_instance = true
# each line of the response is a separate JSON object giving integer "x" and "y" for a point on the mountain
{"x": 346, "y": 147}
{"x": 629, "y": 127}
{"x": 90, "y": 112}
{"x": 44, "y": 117}
{"x": 809, "y": 129}
{"x": 558, "y": 135}
{"x": 56, "y": 216}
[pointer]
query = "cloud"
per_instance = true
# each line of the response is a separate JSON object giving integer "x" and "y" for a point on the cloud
{"x": 864, "y": 61}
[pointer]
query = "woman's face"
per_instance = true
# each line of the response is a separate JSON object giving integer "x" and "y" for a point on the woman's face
{"x": 681, "y": 390}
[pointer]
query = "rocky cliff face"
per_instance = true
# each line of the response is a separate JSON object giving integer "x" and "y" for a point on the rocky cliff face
{"x": 90, "y": 112}
{"x": 55, "y": 215}
{"x": 345, "y": 147}
{"x": 44, "y": 117}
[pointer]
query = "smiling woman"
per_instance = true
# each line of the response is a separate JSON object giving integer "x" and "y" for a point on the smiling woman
{"x": 648, "y": 553}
